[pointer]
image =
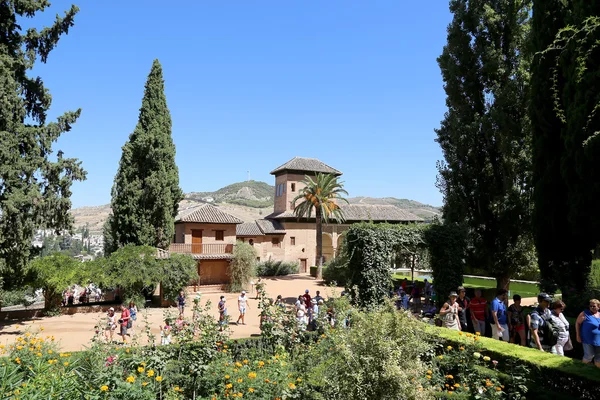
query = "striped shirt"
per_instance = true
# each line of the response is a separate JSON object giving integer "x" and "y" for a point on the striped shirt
{"x": 478, "y": 306}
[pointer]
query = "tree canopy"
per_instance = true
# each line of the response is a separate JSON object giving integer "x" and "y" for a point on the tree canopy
{"x": 485, "y": 134}
{"x": 146, "y": 192}
{"x": 35, "y": 188}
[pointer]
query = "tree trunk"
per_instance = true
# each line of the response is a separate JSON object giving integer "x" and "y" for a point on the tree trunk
{"x": 319, "y": 244}
{"x": 503, "y": 282}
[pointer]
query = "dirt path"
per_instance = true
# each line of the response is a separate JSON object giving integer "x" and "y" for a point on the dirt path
{"x": 73, "y": 332}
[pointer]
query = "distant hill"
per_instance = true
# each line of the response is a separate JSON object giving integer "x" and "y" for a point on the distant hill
{"x": 250, "y": 194}
{"x": 424, "y": 211}
{"x": 248, "y": 201}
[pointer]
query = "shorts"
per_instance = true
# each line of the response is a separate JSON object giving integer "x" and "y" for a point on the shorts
{"x": 518, "y": 328}
{"x": 123, "y": 330}
{"x": 591, "y": 353}
{"x": 243, "y": 310}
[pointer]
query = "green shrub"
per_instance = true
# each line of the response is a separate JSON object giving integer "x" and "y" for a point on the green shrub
{"x": 276, "y": 268}
{"x": 336, "y": 271}
{"x": 241, "y": 267}
{"x": 594, "y": 278}
{"x": 16, "y": 297}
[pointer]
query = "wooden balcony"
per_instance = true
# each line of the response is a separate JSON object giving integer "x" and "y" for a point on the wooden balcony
{"x": 212, "y": 248}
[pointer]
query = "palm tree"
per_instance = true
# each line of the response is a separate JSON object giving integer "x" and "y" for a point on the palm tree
{"x": 321, "y": 194}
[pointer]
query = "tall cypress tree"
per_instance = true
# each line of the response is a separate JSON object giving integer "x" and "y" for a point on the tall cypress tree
{"x": 34, "y": 190}
{"x": 146, "y": 193}
{"x": 485, "y": 135}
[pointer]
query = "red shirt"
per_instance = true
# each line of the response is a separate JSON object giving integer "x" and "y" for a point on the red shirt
{"x": 306, "y": 298}
{"x": 478, "y": 306}
{"x": 125, "y": 316}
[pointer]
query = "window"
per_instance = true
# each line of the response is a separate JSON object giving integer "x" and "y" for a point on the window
{"x": 219, "y": 235}
{"x": 275, "y": 242}
{"x": 293, "y": 187}
{"x": 293, "y": 241}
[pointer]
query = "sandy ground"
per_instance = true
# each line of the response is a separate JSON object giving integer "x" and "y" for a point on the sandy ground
{"x": 74, "y": 332}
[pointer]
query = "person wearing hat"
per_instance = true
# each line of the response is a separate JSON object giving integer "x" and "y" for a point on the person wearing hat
{"x": 242, "y": 305}
{"x": 463, "y": 307}
{"x": 222, "y": 312}
{"x": 537, "y": 322}
{"x": 307, "y": 299}
{"x": 499, "y": 317}
{"x": 449, "y": 313}
{"x": 110, "y": 325}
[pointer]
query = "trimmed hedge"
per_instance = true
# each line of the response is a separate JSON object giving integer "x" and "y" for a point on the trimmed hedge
{"x": 553, "y": 377}
{"x": 276, "y": 268}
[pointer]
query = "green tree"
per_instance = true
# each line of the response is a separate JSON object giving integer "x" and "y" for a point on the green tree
{"x": 146, "y": 193}
{"x": 242, "y": 266}
{"x": 567, "y": 145}
{"x": 321, "y": 195}
{"x": 485, "y": 134}
{"x": 55, "y": 273}
{"x": 35, "y": 189}
{"x": 177, "y": 272}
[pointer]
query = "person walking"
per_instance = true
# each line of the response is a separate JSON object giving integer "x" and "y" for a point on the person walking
{"x": 561, "y": 323}
{"x": 516, "y": 321}
{"x": 181, "y": 301}
{"x": 133, "y": 316}
{"x": 222, "y": 313}
{"x": 449, "y": 313}
{"x": 318, "y": 297}
{"x": 306, "y": 298}
{"x": 124, "y": 321}
{"x": 111, "y": 325}
{"x": 242, "y": 306}
{"x": 479, "y": 310}
{"x": 499, "y": 318}
{"x": 588, "y": 332}
{"x": 537, "y": 322}
{"x": 463, "y": 308}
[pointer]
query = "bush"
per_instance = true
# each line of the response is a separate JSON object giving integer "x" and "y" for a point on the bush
{"x": 241, "y": 267}
{"x": 336, "y": 271}
{"x": 276, "y": 268}
{"x": 16, "y": 297}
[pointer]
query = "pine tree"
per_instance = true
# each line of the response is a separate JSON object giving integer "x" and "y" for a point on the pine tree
{"x": 485, "y": 135}
{"x": 146, "y": 193}
{"x": 34, "y": 190}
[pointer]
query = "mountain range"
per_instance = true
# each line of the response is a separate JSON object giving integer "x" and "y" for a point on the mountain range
{"x": 248, "y": 201}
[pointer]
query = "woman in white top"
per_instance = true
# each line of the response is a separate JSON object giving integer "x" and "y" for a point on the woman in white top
{"x": 110, "y": 325}
{"x": 449, "y": 313}
{"x": 559, "y": 320}
{"x": 242, "y": 305}
{"x": 301, "y": 317}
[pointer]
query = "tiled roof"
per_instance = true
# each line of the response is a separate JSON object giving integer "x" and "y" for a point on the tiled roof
{"x": 365, "y": 212}
{"x": 212, "y": 256}
{"x": 270, "y": 227}
{"x": 306, "y": 165}
{"x": 248, "y": 229}
{"x": 207, "y": 214}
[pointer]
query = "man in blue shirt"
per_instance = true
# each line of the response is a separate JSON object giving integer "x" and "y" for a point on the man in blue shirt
{"x": 499, "y": 318}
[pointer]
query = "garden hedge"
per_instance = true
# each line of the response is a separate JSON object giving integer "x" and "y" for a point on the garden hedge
{"x": 553, "y": 377}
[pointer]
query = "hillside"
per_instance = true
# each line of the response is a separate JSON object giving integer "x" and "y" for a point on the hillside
{"x": 248, "y": 201}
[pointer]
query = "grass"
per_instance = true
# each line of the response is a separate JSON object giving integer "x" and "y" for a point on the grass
{"x": 523, "y": 289}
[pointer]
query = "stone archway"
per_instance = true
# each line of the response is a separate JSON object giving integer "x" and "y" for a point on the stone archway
{"x": 328, "y": 247}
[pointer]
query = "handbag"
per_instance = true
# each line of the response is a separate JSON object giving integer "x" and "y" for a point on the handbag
{"x": 569, "y": 345}
{"x": 129, "y": 323}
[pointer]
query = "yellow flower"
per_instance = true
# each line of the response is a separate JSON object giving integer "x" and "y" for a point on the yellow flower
{"x": 238, "y": 364}
{"x": 261, "y": 363}
{"x": 227, "y": 376}
{"x": 240, "y": 394}
{"x": 143, "y": 364}
{"x": 104, "y": 388}
{"x": 16, "y": 326}
{"x": 50, "y": 352}
{"x": 429, "y": 372}
{"x": 299, "y": 380}
{"x": 478, "y": 333}
{"x": 66, "y": 364}
{"x": 449, "y": 377}
{"x": 224, "y": 351}
{"x": 240, "y": 380}
{"x": 251, "y": 390}
{"x": 456, "y": 385}
{"x": 428, "y": 376}
{"x": 41, "y": 328}
{"x": 245, "y": 361}
{"x": 140, "y": 369}
{"x": 131, "y": 379}
{"x": 176, "y": 388}
{"x": 225, "y": 347}
{"x": 449, "y": 347}
{"x": 127, "y": 351}
{"x": 252, "y": 375}
{"x": 486, "y": 358}
{"x": 461, "y": 348}
{"x": 292, "y": 386}
{"x": 144, "y": 383}
{"x": 229, "y": 386}
{"x": 19, "y": 347}
{"x": 28, "y": 334}
{"x": 440, "y": 357}
{"x": 235, "y": 370}
{"x": 159, "y": 378}
{"x": 150, "y": 373}
{"x": 498, "y": 389}
{"x": 460, "y": 333}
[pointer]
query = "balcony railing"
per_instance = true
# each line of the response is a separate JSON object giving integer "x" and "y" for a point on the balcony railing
{"x": 192, "y": 248}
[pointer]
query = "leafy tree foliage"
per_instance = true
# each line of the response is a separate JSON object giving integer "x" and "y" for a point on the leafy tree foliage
{"x": 485, "y": 135}
{"x": 241, "y": 267}
{"x": 447, "y": 249}
{"x": 176, "y": 272}
{"x": 55, "y": 273}
{"x": 146, "y": 193}
{"x": 322, "y": 195}
{"x": 371, "y": 249}
{"x": 34, "y": 189}
{"x": 566, "y": 75}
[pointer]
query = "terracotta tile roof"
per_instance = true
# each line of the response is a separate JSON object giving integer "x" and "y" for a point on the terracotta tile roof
{"x": 248, "y": 229}
{"x": 306, "y": 165}
{"x": 207, "y": 214}
{"x": 365, "y": 212}
{"x": 212, "y": 256}
{"x": 270, "y": 227}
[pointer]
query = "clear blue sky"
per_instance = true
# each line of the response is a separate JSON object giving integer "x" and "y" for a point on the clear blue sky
{"x": 251, "y": 84}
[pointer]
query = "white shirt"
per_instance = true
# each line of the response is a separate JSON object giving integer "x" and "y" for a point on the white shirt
{"x": 242, "y": 301}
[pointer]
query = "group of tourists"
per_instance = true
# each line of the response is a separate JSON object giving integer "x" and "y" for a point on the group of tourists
{"x": 546, "y": 326}
{"x": 124, "y": 323}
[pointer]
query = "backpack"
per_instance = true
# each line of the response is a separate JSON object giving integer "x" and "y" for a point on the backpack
{"x": 548, "y": 331}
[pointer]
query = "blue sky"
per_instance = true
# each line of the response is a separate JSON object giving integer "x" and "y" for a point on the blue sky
{"x": 251, "y": 84}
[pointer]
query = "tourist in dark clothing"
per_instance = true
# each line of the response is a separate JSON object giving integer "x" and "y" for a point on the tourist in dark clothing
{"x": 463, "y": 308}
